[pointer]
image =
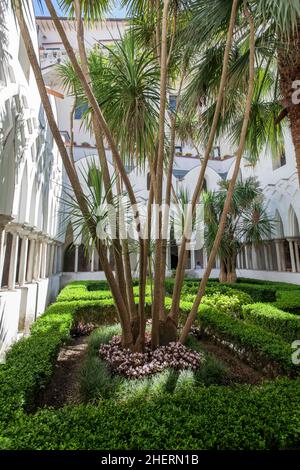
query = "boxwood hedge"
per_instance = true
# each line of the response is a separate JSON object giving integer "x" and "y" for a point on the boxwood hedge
{"x": 208, "y": 417}
{"x": 282, "y": 323}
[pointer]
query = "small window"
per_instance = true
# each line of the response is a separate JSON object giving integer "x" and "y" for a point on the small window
{"x": 216, "y": 152}
{"x": 80, "y": 110}
{"x": 2, "y": 75}
{"x": 172, "y": 103}
{"x": 33, "y": 154}
{"x": 17, "y": 103}
{"x": 282, "y": 159}
{"x": 11, "y": 74}
{"x": 22, "y": 135}
{"x": 29, "y": 126}
{"x": 24, "y": 101}
{"x": 279, "y": 160}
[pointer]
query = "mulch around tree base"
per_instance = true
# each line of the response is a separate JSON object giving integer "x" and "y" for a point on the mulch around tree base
{"x": 64, "y": 385}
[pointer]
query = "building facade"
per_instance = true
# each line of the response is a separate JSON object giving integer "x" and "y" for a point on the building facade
{"x": 31, "y": 178}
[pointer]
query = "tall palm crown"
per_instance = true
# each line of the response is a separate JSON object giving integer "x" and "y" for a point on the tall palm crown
{"x": 276, "y": 27}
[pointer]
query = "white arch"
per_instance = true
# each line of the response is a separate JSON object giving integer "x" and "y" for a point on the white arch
{"x": 23, "y": 197}
{"x": 212, "y": 179}
{"x": 293, "y": 223}
{"x": 33, "y": 204}
{"x": 279, "y": 231}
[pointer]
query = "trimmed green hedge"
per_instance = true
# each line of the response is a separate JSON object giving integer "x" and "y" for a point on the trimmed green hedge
{"x": 261, "y": 342}
{"x": 211, "y": 417}
{"x": 288, "y": 301}
{"x": 286, "y": 296}
{"x": 214, "y": 417}
{"x": 282, "y": 323}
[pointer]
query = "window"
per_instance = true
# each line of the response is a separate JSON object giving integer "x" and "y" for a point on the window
{"x": 80, "y": 110}
{"x": 17, "y": 103}
{"x": 2, "y": 75}
{"x": 11, "y": 74}
{"x": 216, "y": 152}
{"x": 282, "y": 159}
{"x": 29, "y": 126}
{"x": 172, "y": 102}
{"x": 279, "y": 160}
{"x": 24, "y": 101}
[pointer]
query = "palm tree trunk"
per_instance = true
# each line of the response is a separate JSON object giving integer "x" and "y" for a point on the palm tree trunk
{"x": 117, "y": 247}
{"x": 98, "y": 115}
{"x": 174, "y": 313}
{"x": 231, "y": 275}
{"x": 223, "y": 272}
{"x": 158, "y": 288}
{"x": 72, "y": 175}
{"x": 192, "y": 315}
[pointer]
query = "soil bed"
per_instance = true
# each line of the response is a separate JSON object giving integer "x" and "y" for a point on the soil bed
{"x": 64, "y": 385}
{"x": 237, "y": 370}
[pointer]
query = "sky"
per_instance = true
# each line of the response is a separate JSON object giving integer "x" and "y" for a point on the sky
{"x": 116, "y": 12}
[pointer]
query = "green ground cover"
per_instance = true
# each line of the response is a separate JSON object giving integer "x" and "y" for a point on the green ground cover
{"x": 200, "y": 411}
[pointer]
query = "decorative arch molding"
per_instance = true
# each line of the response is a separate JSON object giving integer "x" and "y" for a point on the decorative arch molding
{"x": 22, "y": 214}
{"x": 293, "y": 222}
{"x": 279, "y": 230}
{"x": 212, "y": 178}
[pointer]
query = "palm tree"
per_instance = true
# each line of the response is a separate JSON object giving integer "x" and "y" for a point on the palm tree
{"x": 122, "y": 142}
{"x": 247, "y": 222}
{"x": 277, "y": 26}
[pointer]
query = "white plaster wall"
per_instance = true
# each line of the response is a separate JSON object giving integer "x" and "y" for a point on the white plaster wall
{"x": 9, "y": 319}
{"x": 31, "y": 171}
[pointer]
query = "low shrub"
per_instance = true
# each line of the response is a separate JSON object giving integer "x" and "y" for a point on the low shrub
{"x": 214, "y": 417}
{"x": 263, "y": 345}
{"x": 231, "y": 303}
{"x": 288, "y": 301}
{"x": 258, "y": 292}
{"x": 172, "y": 410}
{"x": 277, "y": 285}
{"x": 282, "y": 323}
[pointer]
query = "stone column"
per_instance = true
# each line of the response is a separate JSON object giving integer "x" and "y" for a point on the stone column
{"x": 247, "y": 260}
{"x": 4, "y": 220}
{"x": 266, "y": 255}
{"x": 44, "y": 253}
{"x": 51, "y": 260}
{"x": 292, "y": 255}
{"x": 13, "y": 261}
{"x": 278, "y": 255}
{"x": 204, "y": 258}
{"x": 31, "y": 258}
{"x": 269, "y": 250}
{"x": 3, "y": 238}
{"x": 297, "y": 255}
{"x": 93, "y": 259}
{"x": 76, "y": 259}
{"x": 23, "y": 260}
{"x": 37, "y": 260}
{"x": 254, "y": 258}
{"x": 193, "y": 259}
